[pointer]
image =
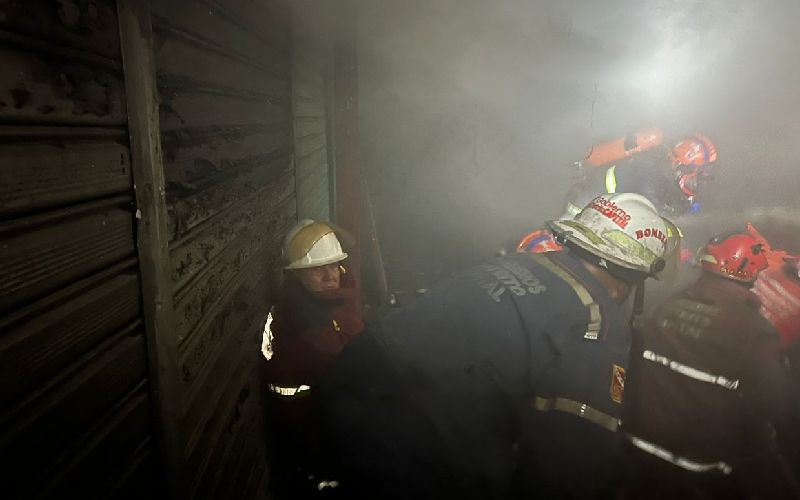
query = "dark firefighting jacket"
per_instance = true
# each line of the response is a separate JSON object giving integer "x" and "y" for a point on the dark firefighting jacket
{"x": 707, "y": 382}
{"x": 308, "y": 331}
{"x": 504, "y": 381}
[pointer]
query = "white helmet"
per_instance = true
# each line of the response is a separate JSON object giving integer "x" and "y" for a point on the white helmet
{"x": 624, "y": 229}
{"x": 311, "y": 244}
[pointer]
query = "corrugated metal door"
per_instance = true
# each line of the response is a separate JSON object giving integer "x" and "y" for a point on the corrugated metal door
{"x": 224, "y": 78}
{"x": 311, "y": 72}
{"x": 74, "y": 406}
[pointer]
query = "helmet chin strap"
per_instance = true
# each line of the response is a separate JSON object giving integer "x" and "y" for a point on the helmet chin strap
{"x": 637, "y": 318}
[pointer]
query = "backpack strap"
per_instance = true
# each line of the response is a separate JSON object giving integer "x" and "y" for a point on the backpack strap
{"x": 595, "y": 318}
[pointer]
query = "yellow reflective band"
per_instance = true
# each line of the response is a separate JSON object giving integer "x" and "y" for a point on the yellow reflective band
{"x": 681, "y": 462}
{"x": 336, "y": 326}
{"x": 289, "y": 391}
{"x": 611, "y": 180}
{"x": 578, "y": 409}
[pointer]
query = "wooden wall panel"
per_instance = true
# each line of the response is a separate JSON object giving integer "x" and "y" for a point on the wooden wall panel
{"x": 88, "y": 25}
{"x": 37, "y": 259}
{"x": 186, "y": 62}
{"x": 41, "y": 347}
{"x": 197, "y": 158}
{"x": 311, "y": 72}
{"x": 224, "y": 77}
{"x": 46, "y": 429}
{"x": 72, "y": 349}
{"x": 47, "y": 89}
{"x": 42, "y": 175}
{"x": 197, "y": 208}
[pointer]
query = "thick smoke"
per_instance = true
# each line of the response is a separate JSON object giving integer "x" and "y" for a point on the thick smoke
{"x": 472, "y": 111}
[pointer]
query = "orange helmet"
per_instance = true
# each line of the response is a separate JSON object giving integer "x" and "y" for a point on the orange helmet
{"x": 696, "y": 151}
{"x": 737, "y": 256}
{"x": 539, "y": 241}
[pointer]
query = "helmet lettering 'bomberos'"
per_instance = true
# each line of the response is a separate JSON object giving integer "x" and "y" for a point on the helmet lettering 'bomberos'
{"x": 311, "y": 244}
{"x": 624, "y": 229}
{"x": 736, "y": 256}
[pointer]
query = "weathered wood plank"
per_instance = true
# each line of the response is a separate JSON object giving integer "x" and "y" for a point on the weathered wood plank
{"x": 139, "y": 479}
{"x": 308, "y": 108}
{"x": 249, "y": 215}
{"x": 89, "y": 25}
{"x": 103, "y": 451}
{"x": 308, "y": 186}
{"x": 37, "y": 439}
{"x": 313, "y": 90}
{"x": 54, "y": 50}
{"x": 197, "y": 110}
{"x": 211, "y": 24}
{"x": 36, "y": 176}
{"x": 43, "y": 346}
{"x": 218, "y": 412}
{"x": 231, "y": 451}
{"x": 309, "y": 80}
{"x": 240, "y": 459}
{"x": 197, "y": 160}
{"x": 317, "y": 206}
{"x": 206, "y": 294}
{"x": 269, "y": 20}
{"x": 35, "y": 88}
{"x": 190, "y": 211}
{"x": 37, "y": 308}
{"x": 227, "y": 405}
{"x": 307, "y": 162}
{"x": 204, "y": 356}
{"x": 44, "y": 132}
{"x": 136, "y": 38}
{"x": 180, "y": 58}
{"x": 309, "y": 126}
{"x": 263, "y": 483}
{"x": 38, "y": 260}
{"x": 170, "y": 86}
{"x": 309, "y": 143}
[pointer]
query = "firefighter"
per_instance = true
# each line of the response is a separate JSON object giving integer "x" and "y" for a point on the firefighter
{"x": 671, "y": 178}
{"x": 778, "y": 288}
{"x": 318, "y": 311}
{"x": 506, "y": 380}
{"x": 707, "y": 387}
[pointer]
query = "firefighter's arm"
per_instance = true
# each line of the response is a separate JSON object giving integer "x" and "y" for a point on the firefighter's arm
{"x": 772, "y": 422}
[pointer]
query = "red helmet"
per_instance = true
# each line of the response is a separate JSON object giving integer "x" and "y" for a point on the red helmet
{"x": 694, "y": 151}
{"x": 692, "y": 159}
{"x": 737, "y": 256}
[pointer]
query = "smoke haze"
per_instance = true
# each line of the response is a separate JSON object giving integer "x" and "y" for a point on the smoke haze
{"x": 472, "y": 111}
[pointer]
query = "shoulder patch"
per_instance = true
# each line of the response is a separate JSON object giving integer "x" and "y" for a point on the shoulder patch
{"x": 617, "y": 383}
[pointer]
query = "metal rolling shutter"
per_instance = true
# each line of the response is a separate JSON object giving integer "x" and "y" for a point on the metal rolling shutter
{"x": 311, "y": 70}
{"x": 224, "y": 82}
{"x": 75, "y": 412}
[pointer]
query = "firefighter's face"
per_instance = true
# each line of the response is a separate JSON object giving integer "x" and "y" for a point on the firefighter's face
{"x": 321, "y": 278}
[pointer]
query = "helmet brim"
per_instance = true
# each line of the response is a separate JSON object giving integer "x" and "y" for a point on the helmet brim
{"x": 317, "y": 263}
{"x": 582, "y": 236}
